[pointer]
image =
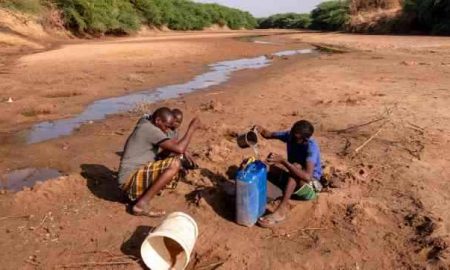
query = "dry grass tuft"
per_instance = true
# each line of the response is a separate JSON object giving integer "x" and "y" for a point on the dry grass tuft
{"x": 31, "y": 112}
{"x": 60, "y": 94}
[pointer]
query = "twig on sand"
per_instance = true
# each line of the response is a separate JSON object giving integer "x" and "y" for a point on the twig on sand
{"x": 210, "y": 266}
{"x": 93, "y": 264}
{"x": 8, "y": 217}
{"x": 288, "y": 234}
{"x": 32, "y": 262}
{"x": 370, "y": 139}
{"x": 43, "y": 220}
{"x": 358, "y": 126}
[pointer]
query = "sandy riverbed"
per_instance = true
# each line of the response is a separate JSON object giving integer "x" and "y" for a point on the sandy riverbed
{"x": 391, "y": 211}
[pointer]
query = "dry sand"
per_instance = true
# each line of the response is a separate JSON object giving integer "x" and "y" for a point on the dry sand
{"x": 391, "y": 211}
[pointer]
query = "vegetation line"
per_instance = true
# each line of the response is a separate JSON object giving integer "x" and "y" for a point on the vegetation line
{"x": 99, "y": 17}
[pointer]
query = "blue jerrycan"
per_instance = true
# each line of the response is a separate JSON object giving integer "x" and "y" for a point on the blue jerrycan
{"x": 251, "y": 193}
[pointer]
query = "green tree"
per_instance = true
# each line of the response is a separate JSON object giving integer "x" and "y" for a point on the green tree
{"x": 330, "y": 15}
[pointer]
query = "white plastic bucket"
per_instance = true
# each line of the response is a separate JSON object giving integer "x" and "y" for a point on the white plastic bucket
{"x": 170, "y": 244}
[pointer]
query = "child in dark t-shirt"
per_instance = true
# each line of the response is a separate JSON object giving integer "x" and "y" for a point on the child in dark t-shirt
{"x": 302, "y": 168}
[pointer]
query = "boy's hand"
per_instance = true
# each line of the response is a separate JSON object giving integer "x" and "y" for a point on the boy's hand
{"x": 195, "y": 123}
{"x": 275, "y": 158}
{"x": 257, "y": 128}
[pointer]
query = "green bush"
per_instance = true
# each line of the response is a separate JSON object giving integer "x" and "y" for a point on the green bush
{"x": 99, "y": 16}
{"x": 28, "y": 6}
{"x": 285, "y": 21}
{"x": 430, "y": 15}
{"x": 188, "y": 15}
{"x": 330, "y": 15}
{"x": 149, "y": 11}
{"x": 124, "y": 16}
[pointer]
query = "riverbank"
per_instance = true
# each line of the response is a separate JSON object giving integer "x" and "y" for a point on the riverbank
{"x": 382, "y": 217}
{"x": 61, "y": 82}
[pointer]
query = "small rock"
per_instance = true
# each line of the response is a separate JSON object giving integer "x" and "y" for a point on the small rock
{"x": 65, "y": 146}
{"x": 10, "y": 100}
{"x": 212, "y": 105}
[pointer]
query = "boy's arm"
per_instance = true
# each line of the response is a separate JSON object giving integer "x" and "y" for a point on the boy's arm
{"x": 179, "y": 147}
{"x": 264, "y": 132}
{"x": 304, "y": 175}
{"x": 295, "y": 169}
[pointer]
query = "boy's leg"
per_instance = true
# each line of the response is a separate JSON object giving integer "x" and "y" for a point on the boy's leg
{"x": 283, "y": 207}
{"x": 280, "y": 213}
{"x": 290, "y": 185}
{"x": 275, "y": 186}
{"x": 168, "y": 174}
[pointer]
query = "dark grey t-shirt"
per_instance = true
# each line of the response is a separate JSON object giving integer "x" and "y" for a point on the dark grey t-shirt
{"x": 141, "y": 148}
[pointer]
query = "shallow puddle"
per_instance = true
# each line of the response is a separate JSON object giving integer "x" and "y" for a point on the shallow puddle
{"x": 218, "y": 73}
{"x": 16, "y": 180}
{"x": 257, "y": 39}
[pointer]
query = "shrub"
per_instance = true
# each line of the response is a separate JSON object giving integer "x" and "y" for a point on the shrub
{"x": 149, "y": 11}
{"x": 430, "y": 15}
{"x": 188, "y": 15}
{"x": 330, "y": 15}
{"x": 29, "y": 6}
{"x": 99, "y": 16}
{"x": 285, "y": 21}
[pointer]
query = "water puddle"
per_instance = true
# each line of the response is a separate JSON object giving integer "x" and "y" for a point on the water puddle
{"x": 256, "y": 39}
{"x": 263, "y": 42}
{"x": 218, "y": 73}
{"x": 16, "y": 180}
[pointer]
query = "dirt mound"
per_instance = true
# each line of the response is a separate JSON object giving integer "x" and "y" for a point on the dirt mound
{"x": 216, "y": 27}
{"x": 377, "y": 16}
{"x": 373, "y": 5}
{"x": 22, "y": 30}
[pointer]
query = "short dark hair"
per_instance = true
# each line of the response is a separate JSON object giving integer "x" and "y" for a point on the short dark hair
{"x": 163, "y": 113}
{"x": 177, "y": 112}
{"x": 303, "y": 127}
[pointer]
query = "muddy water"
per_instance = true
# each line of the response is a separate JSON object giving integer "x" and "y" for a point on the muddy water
{"x": 16, "y": 180}
{"x": 256, "y": 39}
{"x": 218, "y": 73}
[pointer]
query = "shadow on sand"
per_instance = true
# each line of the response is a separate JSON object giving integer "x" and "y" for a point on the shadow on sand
{"x": 102, "y": 182}
{"x": 132, "y": 246}
{"x": 221, "y": 197}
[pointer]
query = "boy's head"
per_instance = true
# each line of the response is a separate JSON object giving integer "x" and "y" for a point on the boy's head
{"x": 301, "y": 131}
{"x": 163, "y": 118}
{"x": 178, "y": 118}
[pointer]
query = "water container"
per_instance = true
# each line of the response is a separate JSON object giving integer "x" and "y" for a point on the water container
{"x": 262, "y": 188}
{"x": 251, "y": 193}
{"x": 170, "y": 245}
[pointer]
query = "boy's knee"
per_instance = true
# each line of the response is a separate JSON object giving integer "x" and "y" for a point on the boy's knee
{"x": 176, "y": 164}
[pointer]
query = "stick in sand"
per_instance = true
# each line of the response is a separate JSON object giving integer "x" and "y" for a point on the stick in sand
{"x": 357, "y": 126}
{"x": 92, "y": 264}
{"x": 210, "y": 266}
{"x": 4, "y": 218}
{"x": 370, "y": 139}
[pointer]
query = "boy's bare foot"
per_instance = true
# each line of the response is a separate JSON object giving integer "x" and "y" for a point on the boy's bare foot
{"x": 271, "y": 220}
